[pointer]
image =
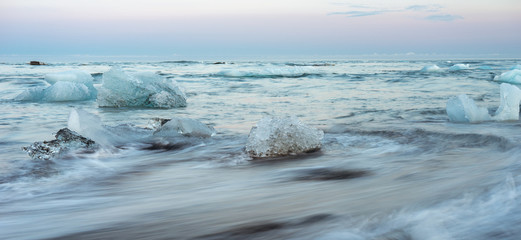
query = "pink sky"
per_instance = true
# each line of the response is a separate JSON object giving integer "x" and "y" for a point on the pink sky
{"x": 232, "y": 27}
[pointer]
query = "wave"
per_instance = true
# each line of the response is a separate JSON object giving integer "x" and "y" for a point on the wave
{"x": 428, "y": 141}
{"x": 270, "y": 72}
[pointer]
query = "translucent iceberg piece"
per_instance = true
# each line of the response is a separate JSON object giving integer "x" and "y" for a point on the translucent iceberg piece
{"x": 65, "y": 86}
{"x": 464, "y": 109}
{"x": 65, "y": 140}
{"x": 459, "y": 66}
{"x": 512, "y": 76}
{"x": 31, "y": 95}
{"x": 90, "y": 125}
{"x": 186, "y": 127}
{"x": 120, "y": 89}
{"x": 66, "y": 91}
{"x": 275, "y": 136}
{"x": 431, "y": 68}
{"x": 508, "y": 110}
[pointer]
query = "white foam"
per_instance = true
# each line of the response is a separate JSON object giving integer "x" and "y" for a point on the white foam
{"x": 120, "y": 89}
{"x": 276, "y": 136}
{"x": 512, "y": 76}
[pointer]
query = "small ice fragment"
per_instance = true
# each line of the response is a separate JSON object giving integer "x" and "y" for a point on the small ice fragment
{"x": 66, "y": 140}
{"x": 431, "y": 68}
{"x": 508, "y": 110}
{"x": 186, "y": 127}
{"x": 459, "y": 66}
{"x": 90, "y": 125}
{"x": 464, "y": 109}
{"x": 512, "y": 76}
{"x": 276, "y": 136}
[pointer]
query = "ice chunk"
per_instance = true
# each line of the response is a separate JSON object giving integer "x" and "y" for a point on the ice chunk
{"x": 66, "y": 91}
{"x": 186, "y": 127}
{"x": 65, "y": 86}
{"x": 459, "y": 66}
{"x": 276, "y": 136}
{"x": 464, "y": 109}
{"x": 31, "y": 95}
{"x": 120, "y": 89}
{"x": 510, "y": 97}
{"x": 518, "y": 66}
{"x": 90, "y": 125}
{"x": 431, "y": 68}
{"x": 66, "y": 140}
{"x": 512, "y": 76}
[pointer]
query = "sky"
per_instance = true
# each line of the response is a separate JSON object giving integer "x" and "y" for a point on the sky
{"x": 267, "y": 27}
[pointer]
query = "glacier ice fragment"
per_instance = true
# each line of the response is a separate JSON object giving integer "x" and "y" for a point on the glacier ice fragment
{"x": 512, "y": 76}
{"x": 463, "y": 109}
{"x": 459, "y": 66}
{"x": 431, "y": 68}
{"x": 72, "y": 85}
{"x": 66, "y": 140}
{"x": 282, "y": 136}
{"x": 120, "y": 89}
{"x": 186, "y": 127}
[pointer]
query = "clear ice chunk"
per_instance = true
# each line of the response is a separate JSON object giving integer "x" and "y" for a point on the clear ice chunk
{"x": 512, "y": 76}
{"x": 66, "y": 140}
{"x": 277, "y": 136}
{"x": 72, "y": 85}
{"x": 463, "y": 109}
{"x": 431, "y": 68}
{"x": 120, "y": 89}
{"x": 184, "y": 126}
{"x": 459, "y": 66}
{"x": 508, "y": 110}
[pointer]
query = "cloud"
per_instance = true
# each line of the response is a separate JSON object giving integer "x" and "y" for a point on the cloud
{"x": 365, "y": 10}
{"x": 443, "y": 17}
{"x": 425, "y": 8}
{"x": 359, "y": 13}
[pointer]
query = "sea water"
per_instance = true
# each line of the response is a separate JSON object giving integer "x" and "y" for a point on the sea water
{"x": 391, "y": 163}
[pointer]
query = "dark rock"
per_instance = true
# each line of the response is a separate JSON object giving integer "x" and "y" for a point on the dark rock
{"x": 325, "y": 174}
{"x": 65, "y": 140}
{"x": 219, "y": 63}
{"x": 36, "y": 63}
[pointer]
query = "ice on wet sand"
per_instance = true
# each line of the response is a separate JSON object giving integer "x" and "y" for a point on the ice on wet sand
{"x": 282, "y": 136}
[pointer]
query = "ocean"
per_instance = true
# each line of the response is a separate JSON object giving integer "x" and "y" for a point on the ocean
{"x": 391, "y": 165}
